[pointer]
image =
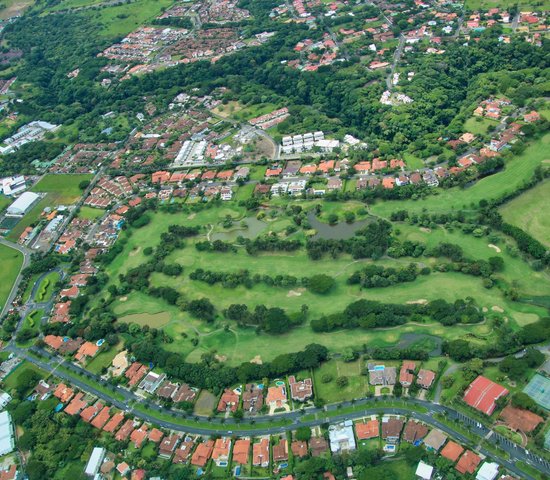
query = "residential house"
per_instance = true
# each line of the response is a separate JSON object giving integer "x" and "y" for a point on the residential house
{"x": 318, "y": 446}
{"x": 229, "y": 401}
{"x": 168, "y": 445}
{"x": 391, "y": 429}
{"x": 367, "y": 430}
{"x": 300, "y": 390}
{"x": 276, "y": 396}
{"x": 183, "y": 452}
{"x": 280, "y": 451}
{"x": 139, "y": 435}
{"x": 414, "y": 432}
{"x": 260, "y": 453}
{"x": 299, "y": 448}
{"x": 241, "y": 449}
{"x": 185, "y": 394}
{"x": 468, "y": 463}
{"x": 425, "y": 378}
{"x": 202, "y": 453}
{"x": 253, "y": 398}
{"x": 381, "y": 375}
{"x": 435, "y": 440}
{"x": 220, "y": 453}
{"x": 341, "y": 437}
{"x": 151, "y": 382}
{"x": 452, "y": 451}
{"x": 406, "y": 376}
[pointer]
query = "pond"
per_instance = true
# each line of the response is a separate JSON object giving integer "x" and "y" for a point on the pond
{"x": 254, "y": 228}
{"x": 340, "y": 231}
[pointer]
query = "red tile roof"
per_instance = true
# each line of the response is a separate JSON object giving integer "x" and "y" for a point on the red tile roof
{"x": 370, "y": 429}
{"x": 468, "y": 462}
{"x": 518, "y": 419}
{"x": 240, "y": 451}
{"x": 113, "y": 424}
{"x": 203, "y": 453}
{"x": 101, "y": 418}
{"x": 452, "y": 451}
{"x": 483, "y": 393}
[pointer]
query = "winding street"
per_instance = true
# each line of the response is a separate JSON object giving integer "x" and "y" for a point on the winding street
{"x": 26, "y": 262}
{"x": 127, "y": 401}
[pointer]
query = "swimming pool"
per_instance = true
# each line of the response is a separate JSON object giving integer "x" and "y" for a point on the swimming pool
{"x": 222, "y": 464}
{"x": 283, "y": 465}
{"x": 379, "y": 367}
{"x": 200, "y": 471}
{"x": 100, "y": 342}
{"x": 237, "y": 470}
{"x": 279, "y": 383}
{"x": 389, "y": 448}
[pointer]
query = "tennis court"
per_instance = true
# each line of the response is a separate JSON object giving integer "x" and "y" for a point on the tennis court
{"x": 539, "y": 390}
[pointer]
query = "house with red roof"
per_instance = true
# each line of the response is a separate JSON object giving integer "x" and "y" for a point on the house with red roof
{"x": 160, "y": 177}
{"x": 90, "y": 412}
{"x": 63, "y": 393}
{"x": 367, "y": 430}
{"x": 114, "y": 422}
{"x": 76, "y": 405}
{"x": 125, "y": 431}
{"x": 228, "y": 401}
{"x": 483, "y": 393}
{"x": 139, "y": 435}
{"x": 101, "y": 418}
{"x": 468, "y": 463}
{"x": 202, "y": 453}
{"x": 452, "y": 451}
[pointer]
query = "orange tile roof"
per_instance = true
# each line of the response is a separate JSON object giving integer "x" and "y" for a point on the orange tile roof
{"x": 101, "y": 418}
{"x": 113, "y": 424}
{"x": 260, "y": 452}
{"x": 76, "y": 404}
{"x": 240, "y": 451}
{"x": 139, "y": 435}
{"x": 468, "y": 462}
{"x": 125, "y": 430}
{"x": 90, "y": 412}
{"x": 53, "y": 341}
{"x": 276, "y": 394}
{"x": 155, "y": 435}
{"x": 370, "y": 429}
{"x": 202, "y": 453}
{"x": 221, "y": 448}
{"x": 518, "y": 419}
{"x": 63, "y": 392}
{"x": 452, "y": 451}
{"x": 87, "y": 349}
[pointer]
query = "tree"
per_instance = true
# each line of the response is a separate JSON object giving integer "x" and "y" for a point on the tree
{"x": 84, "y": 184}
{"x": 342, "y": 382}
{"x": 202, "y": 308}
{"x": 320, "y": 283}
{"x": 303, "y": 434}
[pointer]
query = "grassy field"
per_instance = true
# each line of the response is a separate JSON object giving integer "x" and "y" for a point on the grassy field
{"x": 120, "y": 20}
{"x": 518, "y": 169}
{"x": 413, "y": 162}
{"x": 12, "y": 380}
{"x": 479, "y": 125}
{"x": 59, "y": 189}
{"x": 397, "y": 469}
{"x": 522, "y": 4}
{"x": 32, "y": 323}
{"x": 528, "y": 211}
{"x": 11, "y": 261}
{"x": 103, "y": 360}
{"x": 90, "y": 213}
{"x": 243, "y": 344}
{"x": 358, "y": 384}
{"x": 13, "y": 8}
{"x": 4, "y": 202}
{"x": 46, "y": 287}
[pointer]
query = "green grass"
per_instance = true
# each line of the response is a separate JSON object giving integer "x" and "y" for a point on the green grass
{"x": 479, "y": 125}
{"x": 102, "y": 360}
{"x": 330, "y": 392}
{"x": 46, "y": 287}
{"x": 205, "y": 403}
{"x": 413, "y": 162}
{"x": 11, "y": 261}
{"x": 11, "y": 8}
{"x": 243, "y": 344}
{"x": 518, "y": 169}
{"x": 515, "y": 437}
{"x": 90, "y": 213}
{"x": 120, "y": 20}
{"x": 32, "y": 322}
{"x": 12, "y": 380}
{"x": 487, "y": 4}
{"x": 244, "y": 192}
{"x": 394, "y": 469}
{"x": 4, "y": 202}
{"x": 528, "y": 211}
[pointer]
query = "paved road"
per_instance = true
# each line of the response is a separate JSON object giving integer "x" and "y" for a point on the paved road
{"x": 516, "y": 453}
{"x": 26, "y": 262}
{"x": 396, "y": 57}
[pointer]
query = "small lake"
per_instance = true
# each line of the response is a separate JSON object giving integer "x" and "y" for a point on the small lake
{"x": 252, "y": 230}
{"x": 340, "y": 231}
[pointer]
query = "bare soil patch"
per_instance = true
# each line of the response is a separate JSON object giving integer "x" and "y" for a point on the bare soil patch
{"x": 496, "y": 308}
{"x": 257, "y": 360}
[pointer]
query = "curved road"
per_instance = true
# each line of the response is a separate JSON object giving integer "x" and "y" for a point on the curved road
{"x": 516, "y": 453}
{"x": 26, "y": 262}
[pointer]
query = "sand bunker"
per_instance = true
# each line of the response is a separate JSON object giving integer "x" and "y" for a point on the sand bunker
{"x": 425, "y": 230}
{"x": 220, "y": 358}
{"x": 192, "y": 216}
{"x": 494, "y": 247}
{"x": 134, "y": 252}
{"x": 296, "y": 293}
{"x": 257, "y": 360}
{"x": 122, "y": 299}
{"x": 496, "y": 308}
{"x": 420, "y": 301}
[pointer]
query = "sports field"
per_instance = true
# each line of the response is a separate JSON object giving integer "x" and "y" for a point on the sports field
{"x": 518, "y": 169}
{"x": 529, "y": 211}
{"x": 11, "y": 261}
{"x": 539, "y": 390}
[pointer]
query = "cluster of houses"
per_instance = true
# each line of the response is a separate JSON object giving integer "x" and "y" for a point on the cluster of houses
{"x": 220, "y": 11}
{"x": 381, "y": 375}
{"x": 83, "y": 158}
{"x": 270, "y": 119}
{"x": 315, "y": 54}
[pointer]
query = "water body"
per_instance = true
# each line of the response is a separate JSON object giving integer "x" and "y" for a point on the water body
{"x": 255, "y": 227}
{"x": 340, "y": 231}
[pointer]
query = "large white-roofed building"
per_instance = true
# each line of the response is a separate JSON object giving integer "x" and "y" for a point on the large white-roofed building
{"x": 22, "y": 205}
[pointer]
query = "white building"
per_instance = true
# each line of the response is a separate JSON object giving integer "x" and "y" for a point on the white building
{"x": 424, "y": 471}
{"x": 13, "y": 185}
{"x": 95, "y": 461}
{"x": 22, "y": 205}
{"x": 488, "y": 471}
{"x": 341, "y": 437}
{"x": 7, "y": 442}
{"x": 4, "y": 399}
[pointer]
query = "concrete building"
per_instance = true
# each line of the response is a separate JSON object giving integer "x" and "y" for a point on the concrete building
{"x": 95, "y": 461}
{"x": 341, "y": 437}
{"x": 7, "y": 442}
{"x": 22, "y": 205}
{"x": 13, "y": 185}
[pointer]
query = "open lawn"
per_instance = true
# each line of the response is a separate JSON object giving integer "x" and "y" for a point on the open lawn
{"x": 11, "y": 261}
{"x": 517, "y": 170}
{"x": 523, "y": 4}
{"x": 528, "y": 211}
{"x": 4, "y": 202}
{"x": 121, "y": 19}
{"x": 13, "y": 8}
{"x": 243, "y": 344}
{"x": 205, "y": 403}
{"x": 479, "y": 125}
{"x": 330, "y": 392}
{"x": 90, "y": 213}
{"x": 413, "y": 163}
{"x": 12, "y": 380}
{"x": 46, "y": 287}
{"x": 397, "y": 469}
{"x": 103, "y": 360}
